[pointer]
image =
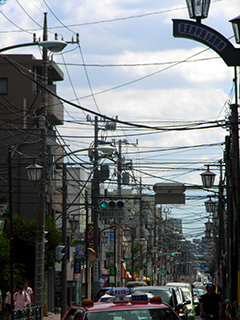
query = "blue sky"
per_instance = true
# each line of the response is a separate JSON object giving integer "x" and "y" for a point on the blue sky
{"x": 129, "y": 45}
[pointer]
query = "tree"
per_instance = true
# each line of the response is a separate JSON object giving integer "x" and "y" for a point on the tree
{"x": 24, "y": 244}
{"x": 4, "y": 262}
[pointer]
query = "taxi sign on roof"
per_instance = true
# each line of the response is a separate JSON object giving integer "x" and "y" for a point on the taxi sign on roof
{"x": 120, "y": 292}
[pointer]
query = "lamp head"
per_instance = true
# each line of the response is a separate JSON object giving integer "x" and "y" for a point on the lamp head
{"x": 236, "y": 28}
{"x": 54, "y": 45}
{"x": 198, "y": 9}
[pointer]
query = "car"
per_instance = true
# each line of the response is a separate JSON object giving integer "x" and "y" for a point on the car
{"x": 187, "y": 289}
{"x": 173, "y": 296}
{"x": 196, "y": 301}
{"x": 137, "y": 308}
{"x": 134, "y": 284}
{"x": 106, "y": 298}
{"x": 101, "y": 292}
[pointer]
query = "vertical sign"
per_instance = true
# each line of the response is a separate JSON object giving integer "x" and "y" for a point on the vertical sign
{"x": 95, "y": 272}
{"x": 79, "y": 292}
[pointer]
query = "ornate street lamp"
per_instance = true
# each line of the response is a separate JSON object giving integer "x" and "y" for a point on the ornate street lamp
{"x": 210, "y": 205}
{"x": 73, "y": 223}
{"x": 208, "y": 231}
{"x": 208, "y": 178}
{"x": 198, "y": 9}
{"x": 34, "y": 172}
{"x": 236, "y": 28}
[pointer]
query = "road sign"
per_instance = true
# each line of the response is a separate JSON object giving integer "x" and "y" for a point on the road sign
{"x": 112, "y": 214}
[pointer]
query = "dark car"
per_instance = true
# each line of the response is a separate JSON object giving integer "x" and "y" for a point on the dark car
{"x": 101, "y": 292}
{"x": 134, "y": 284}
{"x": 172, "y": 296}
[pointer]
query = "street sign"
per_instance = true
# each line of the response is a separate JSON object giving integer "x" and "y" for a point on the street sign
{"x": 112, "y": 214}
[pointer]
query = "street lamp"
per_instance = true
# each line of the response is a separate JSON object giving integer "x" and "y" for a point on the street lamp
{"x": 236, "y": 28}
{"x": 208, "y": 178}
{"x": 198, "y": 9}
{"x": 210, "y": 205}
{"x": 34, "y": 172}
{"x": 231, "y": 56}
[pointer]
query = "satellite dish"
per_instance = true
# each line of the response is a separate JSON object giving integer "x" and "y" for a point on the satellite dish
{"x": 91, "y": 254}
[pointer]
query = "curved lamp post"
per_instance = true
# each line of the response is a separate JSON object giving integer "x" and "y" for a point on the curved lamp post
{"x": 198, "y": 10}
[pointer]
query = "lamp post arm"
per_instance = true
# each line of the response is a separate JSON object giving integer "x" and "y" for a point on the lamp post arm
{"x": 16, "y": 46}
{"x": 209, "y": 37}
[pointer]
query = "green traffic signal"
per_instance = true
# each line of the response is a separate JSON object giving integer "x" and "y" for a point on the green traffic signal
{"x": 103, "y": 204}
{"x": 173, "y": 254}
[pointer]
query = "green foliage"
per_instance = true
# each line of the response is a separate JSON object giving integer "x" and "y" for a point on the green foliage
{"x": 24, "y": 244}
{"x": 53, "y": 237}
{"x": 4, "y": 261}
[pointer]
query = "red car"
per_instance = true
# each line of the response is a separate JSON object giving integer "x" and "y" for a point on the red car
{"x": 138, "y": 308}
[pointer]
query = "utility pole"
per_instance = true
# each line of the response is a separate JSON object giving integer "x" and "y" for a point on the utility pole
{"x": 119, "y": 183}
{"x": 64, "y": 242}
{"x": 95, "y": 200}
{"x": 141, "y": 228}
{"x": 155, "y": 243}
{"x": 40, "y": 244}
{"x": 86, "y": 241}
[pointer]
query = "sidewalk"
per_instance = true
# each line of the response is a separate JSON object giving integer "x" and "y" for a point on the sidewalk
{"x": 52, "y": 316}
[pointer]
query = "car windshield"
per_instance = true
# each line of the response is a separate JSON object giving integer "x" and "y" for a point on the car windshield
{"x": 136, "y": 314}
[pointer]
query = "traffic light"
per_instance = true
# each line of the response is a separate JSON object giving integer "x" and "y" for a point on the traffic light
{"x": 58, "y": 253}
{"x": 112, "y": 205}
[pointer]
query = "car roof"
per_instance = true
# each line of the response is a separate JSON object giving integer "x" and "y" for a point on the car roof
{"x": 152, "y": 288}
{"x": 179, "y": 284}
{"x": 99, "y": 306}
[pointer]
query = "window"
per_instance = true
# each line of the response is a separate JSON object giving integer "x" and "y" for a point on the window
{"x": 3, "y": 85}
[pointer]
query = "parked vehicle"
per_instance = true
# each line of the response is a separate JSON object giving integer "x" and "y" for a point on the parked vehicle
{"x": 134, "y": 284}
{"x": 173, "y": 296}
{"x": 187, "y": 289}
{"x": 101, "y": 292}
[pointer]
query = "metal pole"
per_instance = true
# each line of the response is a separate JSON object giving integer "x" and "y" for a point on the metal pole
{"x": 64, "y": 242}
{"x": 10, "y": 224}
{"x": 132, "y": 236}
{"x": 115, "y": 269}
{"x": 236, "y": 185}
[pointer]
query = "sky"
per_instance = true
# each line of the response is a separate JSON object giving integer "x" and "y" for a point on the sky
{"x": 129, "y": 65}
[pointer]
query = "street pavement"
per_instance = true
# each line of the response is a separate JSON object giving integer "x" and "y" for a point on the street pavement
{"x": 52, "y": 316}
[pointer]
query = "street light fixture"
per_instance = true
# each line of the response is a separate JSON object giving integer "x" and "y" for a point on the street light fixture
{"x": 198, "y": 9}
{"x": 236, "y": 28}
{"x": 208, "y": 178}
{"x": 34, "y": 172}
{"x": 210, "y": 205}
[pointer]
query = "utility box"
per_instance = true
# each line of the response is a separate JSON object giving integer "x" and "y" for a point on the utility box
{"x": 169, "y": 193}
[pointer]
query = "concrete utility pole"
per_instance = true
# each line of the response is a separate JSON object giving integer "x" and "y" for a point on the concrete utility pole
{"x": 64, "y": 242}
{"x": 119, "y": 180}
{"x": 40, "y": 244}
{"x": 95, "y": 201}
{"x": 141, "y": 226}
